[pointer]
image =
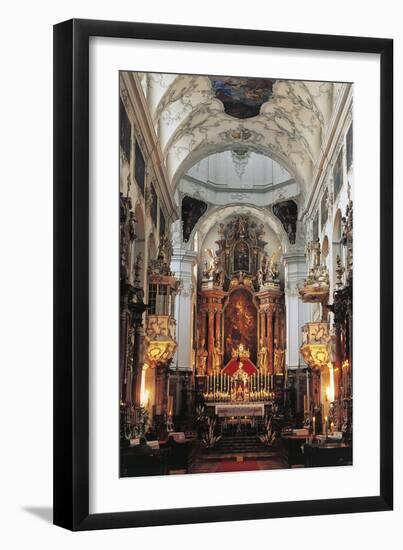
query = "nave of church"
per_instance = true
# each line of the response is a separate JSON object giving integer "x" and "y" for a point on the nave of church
{"x": 236, "y": 274}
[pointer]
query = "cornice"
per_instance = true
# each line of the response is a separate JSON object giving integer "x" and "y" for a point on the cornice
{"x": 222, "y": 188}
{"x": 330, "y": 144}
{"x": 143, "y": 120}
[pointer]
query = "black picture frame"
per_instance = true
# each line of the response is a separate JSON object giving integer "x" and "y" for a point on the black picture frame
{"x": 71, "y": 274}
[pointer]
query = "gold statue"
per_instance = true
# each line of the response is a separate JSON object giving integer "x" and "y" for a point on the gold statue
{"x": 279, "y": 359}
{"x": 216, "y": 357}
{"x": 201, "y": 364}
{"x": 240, "y": 352}
{"x": 263, "y": 358}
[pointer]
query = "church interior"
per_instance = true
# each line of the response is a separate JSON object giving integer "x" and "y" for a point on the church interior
{"x": 236, "y": 274}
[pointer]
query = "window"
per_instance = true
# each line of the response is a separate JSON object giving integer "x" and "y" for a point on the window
{"x": 323, "y": 210}
{"x": 139, "y": 168}
{"x": 154, "y": 205}
{"x": 125, "y": 131}
{"x": 349, "y": 147}
{"x": 162, "y": 223}
{"x": 338, "y": 174}
{"x": 315, "y": 228}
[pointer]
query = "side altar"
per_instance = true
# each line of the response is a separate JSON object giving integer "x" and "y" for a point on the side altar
{"x": 240, "y": 340}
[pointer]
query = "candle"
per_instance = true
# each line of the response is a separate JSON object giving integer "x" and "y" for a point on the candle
{"x": 331, "y": 427}
{"x": 313, "y": 425}
{"x": 326, "y": 425}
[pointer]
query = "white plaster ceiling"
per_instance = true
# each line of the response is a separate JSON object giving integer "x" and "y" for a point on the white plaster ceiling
{"x": 191, "y": 123}
{"x": 245, "y": 171}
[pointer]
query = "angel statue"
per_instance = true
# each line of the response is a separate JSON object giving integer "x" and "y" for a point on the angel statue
{"x": 259, "y": 278}
{"x": 273, "y": 267}
{"x": 265, "y": 266}
{"x": 210, "y": 264}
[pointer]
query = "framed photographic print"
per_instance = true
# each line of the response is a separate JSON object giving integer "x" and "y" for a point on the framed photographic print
{"x": 223, "y": 297}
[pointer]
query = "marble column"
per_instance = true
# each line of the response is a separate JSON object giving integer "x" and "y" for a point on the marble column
{"x": 269, "y": 332}
{"x": 218, "y": 327}
{"x": 297, "y": 312}
{"x": 262, "y": 328}
{"x": 182, "y": 263}
{"x": 210, "y": 339}
{"x": 202, "y": 326}
{"x": 138, "y": 361}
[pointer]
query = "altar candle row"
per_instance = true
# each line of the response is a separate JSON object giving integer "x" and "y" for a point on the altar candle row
{"x": 262, "y": 381}
{"x": 219, "y": 382}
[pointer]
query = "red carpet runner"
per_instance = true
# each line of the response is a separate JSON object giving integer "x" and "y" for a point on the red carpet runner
{"x": 232, "y": 466}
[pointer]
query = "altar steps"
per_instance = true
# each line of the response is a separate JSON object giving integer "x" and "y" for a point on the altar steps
{"x": 240, "y": 444}
{"x": 238, "y": 453}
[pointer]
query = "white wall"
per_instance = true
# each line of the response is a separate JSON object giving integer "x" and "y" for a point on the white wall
{"x": 26, "y": 224}
{"x": 219, "y": 169}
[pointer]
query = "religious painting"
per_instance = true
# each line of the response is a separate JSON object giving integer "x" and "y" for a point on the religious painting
{"x": 240, "y": 324}
{"x": 162, "y": 222}
{"x": 287, "y": 213}
{"x": 153, "y": 205}
{"x": 229, "y": 273}
{"x": 349, "y": 147}
{"x": 192, "y": 210}
{"x": 338, "y": 174}
{"x": 323, "y": 209}
{"x": 124, "y": 130}
{"x": 242, "y": 97}
{"x": 139, "y": 168}
{"x": 241, "y": 256}
{"x": 221, "y": 296}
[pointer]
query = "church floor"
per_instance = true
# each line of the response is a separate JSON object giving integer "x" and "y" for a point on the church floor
{"x": 240, "y": 463}
{"x": 230, "y": 458}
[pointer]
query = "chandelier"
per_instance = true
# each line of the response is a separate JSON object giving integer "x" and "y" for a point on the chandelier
{"x": 240, "y": 158}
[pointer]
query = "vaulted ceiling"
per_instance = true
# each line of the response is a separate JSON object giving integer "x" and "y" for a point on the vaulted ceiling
{"x": 196, "y": 116}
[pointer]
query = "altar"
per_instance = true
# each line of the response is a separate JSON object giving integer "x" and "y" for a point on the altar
{"x": 240, "y": 409}
{"x": 240, "y": 319}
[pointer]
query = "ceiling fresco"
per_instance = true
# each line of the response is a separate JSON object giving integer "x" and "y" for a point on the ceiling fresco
{"x": 285, "y": 120}
{"x": 242, "y": 97}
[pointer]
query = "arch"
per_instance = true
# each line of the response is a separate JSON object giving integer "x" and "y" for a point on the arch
{"x": 196, "y": 155}
{"x": 192, "y": 123}
{"x": 263, "y": 215}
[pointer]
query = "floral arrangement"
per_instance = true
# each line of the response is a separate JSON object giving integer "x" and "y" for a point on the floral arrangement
{"x": 268, "y": 437}
{"x": 209, "y": 439}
